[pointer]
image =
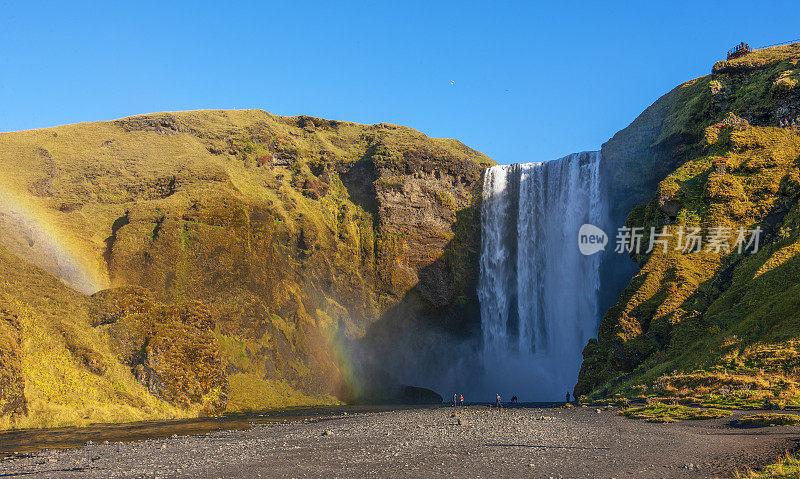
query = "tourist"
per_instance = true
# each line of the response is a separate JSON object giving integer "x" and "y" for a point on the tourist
{"x": 514, "y": 400}
{"x": 498, "y": 403}
{"x": 455, "y": 398}
{"x": 461, "y": 399}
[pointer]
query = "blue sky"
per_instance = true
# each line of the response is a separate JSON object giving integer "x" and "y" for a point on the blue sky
{"x": 532, "y": 80}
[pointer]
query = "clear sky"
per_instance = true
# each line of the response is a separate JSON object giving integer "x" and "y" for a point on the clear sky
{"x": 520, "y": 81}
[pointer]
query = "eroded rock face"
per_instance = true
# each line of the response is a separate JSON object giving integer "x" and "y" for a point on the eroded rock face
{"x": 111, "y": 305}
{"x": 418, "y": 207}
{"x": 181, "y": 361}
{"x": 171, "y": 349}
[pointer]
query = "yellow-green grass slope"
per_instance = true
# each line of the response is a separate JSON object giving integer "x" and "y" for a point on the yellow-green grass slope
{"x": 721, "y": 328}
{"x": 57, "y": 369}
{"x": 291, "y": 233}
{"x": 660, "y": 412}
{"x": 768, "y": 420}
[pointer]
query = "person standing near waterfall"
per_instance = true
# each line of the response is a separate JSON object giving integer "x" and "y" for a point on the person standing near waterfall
{"x": 461, "y": 400}
{"x": 498, "y": 403}
{"x": 455, "y": 399}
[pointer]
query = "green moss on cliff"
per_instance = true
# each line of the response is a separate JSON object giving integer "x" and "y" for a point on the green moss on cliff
{"x": 690, "y": 325}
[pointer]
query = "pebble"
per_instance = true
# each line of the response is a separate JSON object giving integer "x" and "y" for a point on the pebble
{"x": 377, "y": 444}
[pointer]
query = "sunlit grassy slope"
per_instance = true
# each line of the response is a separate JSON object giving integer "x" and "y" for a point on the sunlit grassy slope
{"x": 57, "y": 369}
{"x": 281, "y": 235}
{"x": 715, "y": 326}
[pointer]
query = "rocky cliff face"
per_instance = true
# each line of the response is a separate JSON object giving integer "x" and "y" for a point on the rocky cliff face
{"x": 719, "y": 153}
{"x": 243, "y": 250}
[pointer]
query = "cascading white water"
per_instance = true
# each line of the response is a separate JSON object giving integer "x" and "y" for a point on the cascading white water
{"x": 538, "y": 293}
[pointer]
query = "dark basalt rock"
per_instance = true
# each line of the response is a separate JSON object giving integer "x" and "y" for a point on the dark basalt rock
{"x": 419, "y": 395}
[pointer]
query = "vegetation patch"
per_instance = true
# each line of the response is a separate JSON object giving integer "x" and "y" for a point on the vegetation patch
{"x": 660, "y": 412}
{"x": 251, "y": 393}
{"x": 787, "y": 467}
{"x": 768, "y": 419}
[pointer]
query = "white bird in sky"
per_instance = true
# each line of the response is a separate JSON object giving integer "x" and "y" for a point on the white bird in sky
{"x": 452, "y": 82}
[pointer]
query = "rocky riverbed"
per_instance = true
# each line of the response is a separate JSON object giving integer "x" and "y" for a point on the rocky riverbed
{"x": 474, "y": 441}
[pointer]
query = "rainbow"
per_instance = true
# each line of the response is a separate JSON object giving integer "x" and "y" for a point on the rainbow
{"x": 31, "y": 232}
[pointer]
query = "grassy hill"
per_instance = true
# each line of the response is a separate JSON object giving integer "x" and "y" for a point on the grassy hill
{"x": 236, "y": 253}
{"x": 715, "y": 326}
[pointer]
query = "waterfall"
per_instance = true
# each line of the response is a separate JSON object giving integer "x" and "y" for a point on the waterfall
{"x": 538, "y": 294}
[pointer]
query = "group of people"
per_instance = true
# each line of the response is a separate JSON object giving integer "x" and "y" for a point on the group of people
{"x": 499, "y": 403}
{"x": 458, "y": 400}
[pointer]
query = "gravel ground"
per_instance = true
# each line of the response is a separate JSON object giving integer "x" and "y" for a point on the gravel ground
{"x": 478, "y": 442}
